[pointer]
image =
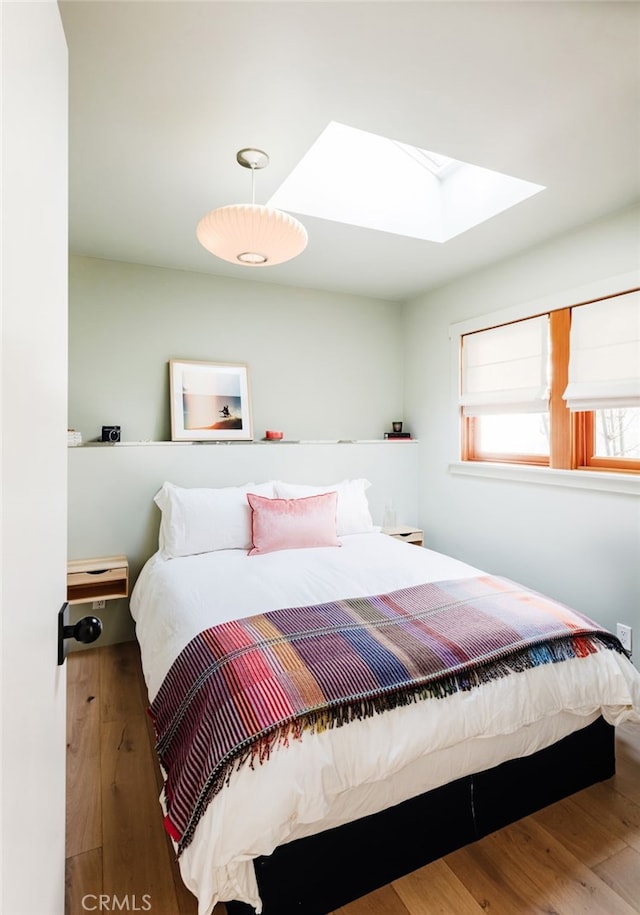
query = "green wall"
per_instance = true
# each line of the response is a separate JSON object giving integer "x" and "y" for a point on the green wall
{"x": 321, "y": 365}
{"x": 578, "y": 545}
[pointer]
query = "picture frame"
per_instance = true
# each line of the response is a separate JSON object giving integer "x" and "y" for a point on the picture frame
{"x": 209, "y": 401}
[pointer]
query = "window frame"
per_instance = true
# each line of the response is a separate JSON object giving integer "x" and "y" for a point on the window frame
{"x": 571, "y": 435}
{"x": 585, "y": 457}
{"x": 472, "y": 452}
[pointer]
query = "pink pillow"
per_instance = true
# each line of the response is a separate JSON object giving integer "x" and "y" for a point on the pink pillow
{"x": 289, "y": 524}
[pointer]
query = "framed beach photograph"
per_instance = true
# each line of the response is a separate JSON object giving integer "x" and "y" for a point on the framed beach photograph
{"x": 209, "y": 402}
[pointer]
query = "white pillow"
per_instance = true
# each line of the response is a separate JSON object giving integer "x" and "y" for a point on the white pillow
{"x": 203, "y": 520}
{"x": 353, "y": 515}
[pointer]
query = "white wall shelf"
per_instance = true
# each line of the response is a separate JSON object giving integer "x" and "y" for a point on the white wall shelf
{"x": 279, "y": 442}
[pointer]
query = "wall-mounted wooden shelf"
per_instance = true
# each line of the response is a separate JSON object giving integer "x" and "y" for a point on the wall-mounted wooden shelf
{"x": 99, "y": 578}
{"x": 408, "y": 534}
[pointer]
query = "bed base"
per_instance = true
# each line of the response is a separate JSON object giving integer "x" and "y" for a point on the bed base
{"x": 321, "y": 873}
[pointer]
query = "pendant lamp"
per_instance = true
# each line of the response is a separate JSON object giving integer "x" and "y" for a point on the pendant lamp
{"x": 250, "y": 234}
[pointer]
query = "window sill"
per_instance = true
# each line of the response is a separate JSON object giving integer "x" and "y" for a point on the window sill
{"x": 628, "y": 484}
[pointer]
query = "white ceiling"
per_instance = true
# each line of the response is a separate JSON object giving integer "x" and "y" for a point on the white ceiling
{"x": 163, "y": 94}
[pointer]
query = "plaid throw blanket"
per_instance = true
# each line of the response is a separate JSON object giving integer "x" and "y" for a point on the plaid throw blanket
{"x": 241, "y": 686}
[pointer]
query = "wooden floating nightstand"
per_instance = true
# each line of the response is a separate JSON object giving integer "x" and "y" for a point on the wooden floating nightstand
{"x": 100, "y": 578}
{"x": 408, "y": 534}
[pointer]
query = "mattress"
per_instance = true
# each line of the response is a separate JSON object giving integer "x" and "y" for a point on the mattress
{"x": 329, "y": 778}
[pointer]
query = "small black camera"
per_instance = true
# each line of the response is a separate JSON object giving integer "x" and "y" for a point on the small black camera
{"x": 111, "y": 433}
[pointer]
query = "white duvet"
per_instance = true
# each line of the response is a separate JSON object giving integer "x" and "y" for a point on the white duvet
{"x": 324, "y": 780}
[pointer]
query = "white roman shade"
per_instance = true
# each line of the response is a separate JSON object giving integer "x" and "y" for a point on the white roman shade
{"x": 604, "y": 360}
{"x": 505, "y": 369}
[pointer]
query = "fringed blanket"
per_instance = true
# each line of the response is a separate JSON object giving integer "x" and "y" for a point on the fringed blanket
{"x": 242, "y": 686}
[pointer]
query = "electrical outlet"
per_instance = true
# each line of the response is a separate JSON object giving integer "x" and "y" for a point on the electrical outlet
{"x": 98, "y": 605}
{"x": 624, "y": 634}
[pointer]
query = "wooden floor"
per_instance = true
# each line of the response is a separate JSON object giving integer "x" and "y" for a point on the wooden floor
{"x": 581, "y": 855}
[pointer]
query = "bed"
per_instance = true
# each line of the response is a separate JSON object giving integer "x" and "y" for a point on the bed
{"x": 355, "y": 803}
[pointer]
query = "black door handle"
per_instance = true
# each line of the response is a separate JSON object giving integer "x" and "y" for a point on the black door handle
{"x": 86, "y": 630}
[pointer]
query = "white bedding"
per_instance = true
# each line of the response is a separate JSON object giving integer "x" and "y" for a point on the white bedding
{"x": 330, "y": 778}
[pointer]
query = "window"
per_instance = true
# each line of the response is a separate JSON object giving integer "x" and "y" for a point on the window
{"x": 505, "y": 391}
{"x": 617, "y": 433}
{"x": 560, "y": 389}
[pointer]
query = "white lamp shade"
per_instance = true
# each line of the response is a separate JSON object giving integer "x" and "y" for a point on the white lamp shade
{"x": 252, "y": 235}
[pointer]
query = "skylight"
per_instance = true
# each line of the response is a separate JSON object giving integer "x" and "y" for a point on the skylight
{"x": 362, "y": 179}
